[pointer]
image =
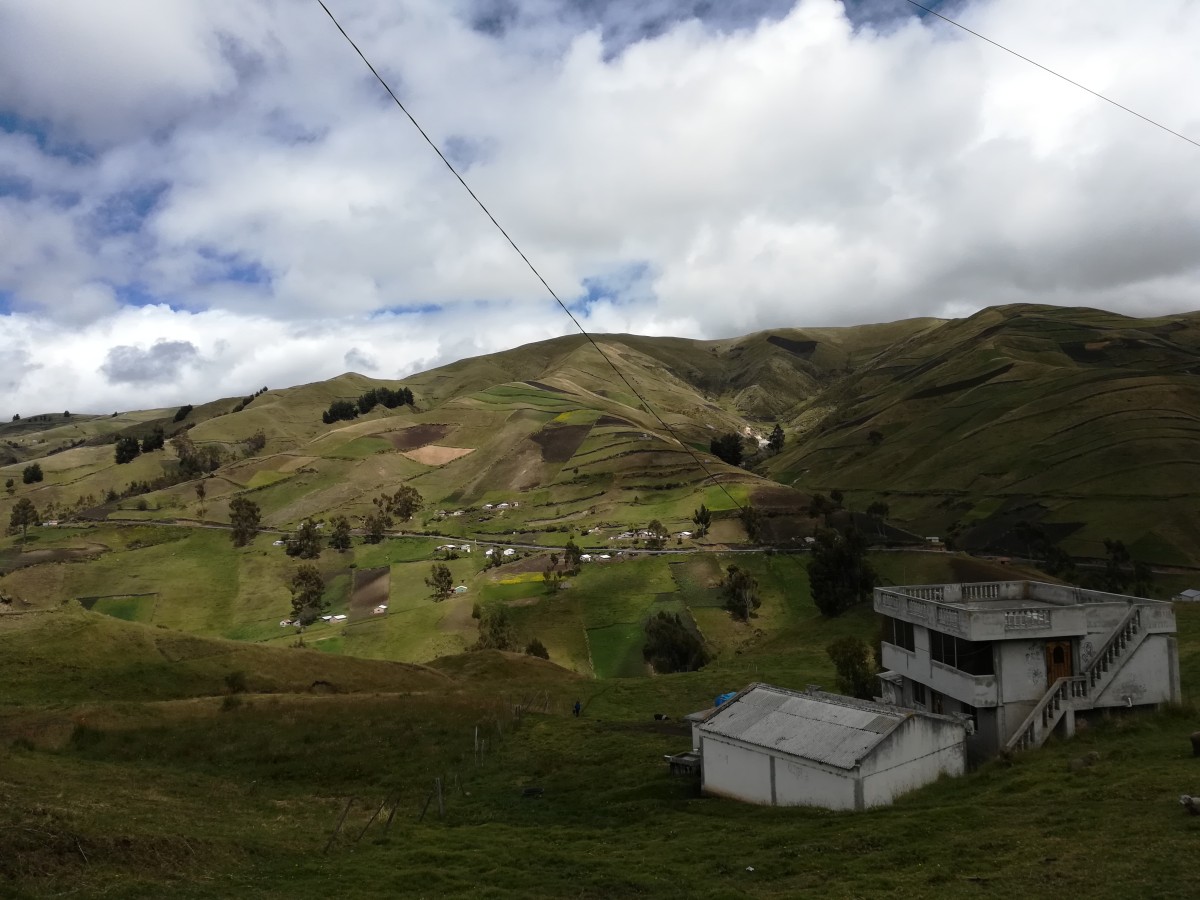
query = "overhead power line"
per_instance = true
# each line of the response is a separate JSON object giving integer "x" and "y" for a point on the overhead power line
{"x": 645, "y": 403}
{"x": 1132, "y": 112}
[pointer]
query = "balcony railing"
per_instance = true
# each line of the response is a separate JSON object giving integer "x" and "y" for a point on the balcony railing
{"x": 1022, "y": 619}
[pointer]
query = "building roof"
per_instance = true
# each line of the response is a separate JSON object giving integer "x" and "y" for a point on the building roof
{"x": 1190, "y": 594}
{"x": 826, "y": 728}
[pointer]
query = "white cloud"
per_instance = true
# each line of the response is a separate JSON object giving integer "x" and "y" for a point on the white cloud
{"x": 777, "y": 166}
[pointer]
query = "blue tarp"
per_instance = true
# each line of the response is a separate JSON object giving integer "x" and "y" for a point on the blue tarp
{"x": 722, "y": 698}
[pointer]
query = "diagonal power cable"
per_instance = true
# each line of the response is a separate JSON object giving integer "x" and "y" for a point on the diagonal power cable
{"x": 645, "y": 403}
{"x": 1132, "y": 112}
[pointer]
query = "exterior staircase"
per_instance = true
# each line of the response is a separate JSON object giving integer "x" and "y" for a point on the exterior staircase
{"x": 1080, "y": 691}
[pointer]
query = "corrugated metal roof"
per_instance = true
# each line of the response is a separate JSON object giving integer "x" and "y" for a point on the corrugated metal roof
{"x": 821, "y": 727}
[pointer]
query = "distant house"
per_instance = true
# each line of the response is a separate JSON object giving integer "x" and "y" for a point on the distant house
{"x": 1191, "y": 595}
{"x": 502, "y": 506}
{"x": 461, "y": 589}
{"x": 585, "y": 557}
{"x": 605, "y": 556}
{"x": 1022, "y": 659}
{"x": 509, "y": 551}
{"x": 487, "y": 506}
{"x": 488, "y": 552}
{"x": 465, "y": 548}
{"x": 778, "y": 747}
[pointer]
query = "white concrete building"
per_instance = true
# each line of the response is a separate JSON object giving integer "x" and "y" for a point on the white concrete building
{"x": 778, "y": 747}
{"x": 1021, "y": 658}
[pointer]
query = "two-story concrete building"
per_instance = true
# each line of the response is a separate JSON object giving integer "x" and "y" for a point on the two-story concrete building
{"x": 1021, "y": 658}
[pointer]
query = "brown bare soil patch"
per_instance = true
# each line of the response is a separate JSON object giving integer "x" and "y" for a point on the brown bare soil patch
{"x": 370, "y": 589}
{"x": 535, "y": 563}
{"x": 417, "y": 436}
{"x": 544, "y": 387}
{"x": 559, "y": 444}
{"x": 438, "y": 456}
{"x": 524, "y": 601}
{"x": 61, "y": 554}
{"x": 292, "y": 463}
{"x": 781, "y": 498}
{"x": 612, "y": 420}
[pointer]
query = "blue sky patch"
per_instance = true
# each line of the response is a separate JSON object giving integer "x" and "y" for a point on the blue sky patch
{"x": 11, "y": 123}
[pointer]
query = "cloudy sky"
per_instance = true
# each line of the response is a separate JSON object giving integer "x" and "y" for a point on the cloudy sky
{"x": 202, "y": 197}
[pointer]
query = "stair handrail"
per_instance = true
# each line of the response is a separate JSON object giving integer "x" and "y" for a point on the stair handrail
{"x": 1135, "y": 612}
{"x": 1047, "y": 698}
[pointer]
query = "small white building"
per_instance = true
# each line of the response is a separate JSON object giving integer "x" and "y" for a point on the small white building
{"x": 778, "y": 747}
{"x": 1191, "y": 595}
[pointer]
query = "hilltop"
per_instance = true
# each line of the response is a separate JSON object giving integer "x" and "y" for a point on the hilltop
{"x": 1079, "y": 421}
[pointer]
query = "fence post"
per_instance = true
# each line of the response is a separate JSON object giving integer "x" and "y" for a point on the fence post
{"x": 437, "y": 782}
{"x": 370, "y": 820}
{"x": 338, "y": 828}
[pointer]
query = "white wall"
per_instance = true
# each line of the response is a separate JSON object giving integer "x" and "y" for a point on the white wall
{"x": 913, "y": 755}
{"x": 798, "y": 783}
{"x": 734, "y": 771}
{"x": 1022, "y": 670}
{"x": 1146, "y": 677}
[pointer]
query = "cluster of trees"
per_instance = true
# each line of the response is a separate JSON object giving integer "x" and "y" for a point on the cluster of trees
{"x": 182, "y": 412}
{"x": 306, "y": 542}
{"x": 731, "y": 447}
{"x": 24, "y": 514}
{"x": 32, "y": 473}
{"x": 405, "y": 503}
{"x": 129, "y": 447}
{"x": 671, "y": 646}
{"x": 384, "y": 397}
{"x": 702, "y": 519}
{"x": 246, "y": 517}
{"x": 346, "y": 410}
{"x": 441, "y": 582}
{"x": 339, "y": 538}
{"x": 308, "y": 594}
{"x": 196, "y": 460}
{"x": 496, "y": 629}
{"x": 246, "y": 401}
{"x": 855, "y": 665}
{"x": 728, "y": 448}
{"x": 552, "y": 576}
{"x": 656, "y": 535}
{"x": 838, "y": 573}
{"x": 740, "y": 590}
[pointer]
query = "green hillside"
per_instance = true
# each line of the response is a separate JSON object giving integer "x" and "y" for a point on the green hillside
{"x": 1086, "y": 422}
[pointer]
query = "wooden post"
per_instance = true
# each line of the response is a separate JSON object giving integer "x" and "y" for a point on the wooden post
{"x": 437, "y": 783}
{"x": 395, "y": 805}
{"x": 370, "y": 820}
{"x": 425, "y": 807}
{"x": 329, "y": 843}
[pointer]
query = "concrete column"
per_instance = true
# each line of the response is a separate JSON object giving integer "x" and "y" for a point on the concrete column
{"x": 1068, "y": 723}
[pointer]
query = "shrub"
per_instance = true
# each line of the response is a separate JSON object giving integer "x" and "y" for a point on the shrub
{"x": 537, "y": 648}
{"x": 671, "y": 646}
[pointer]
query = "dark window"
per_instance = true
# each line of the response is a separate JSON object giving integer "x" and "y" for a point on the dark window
{"x": 918, "y": 693}
{"x": 898, "y": 632}
{"x": 972, "y": 657}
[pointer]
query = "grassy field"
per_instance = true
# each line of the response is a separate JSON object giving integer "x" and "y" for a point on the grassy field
{"x": 137, "y": 771}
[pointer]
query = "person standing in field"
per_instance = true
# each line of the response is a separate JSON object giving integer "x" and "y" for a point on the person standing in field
{"x": 576, "y": 708}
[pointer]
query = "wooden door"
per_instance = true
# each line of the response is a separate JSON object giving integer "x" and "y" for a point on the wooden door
{"x": 1058, "y": 661}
